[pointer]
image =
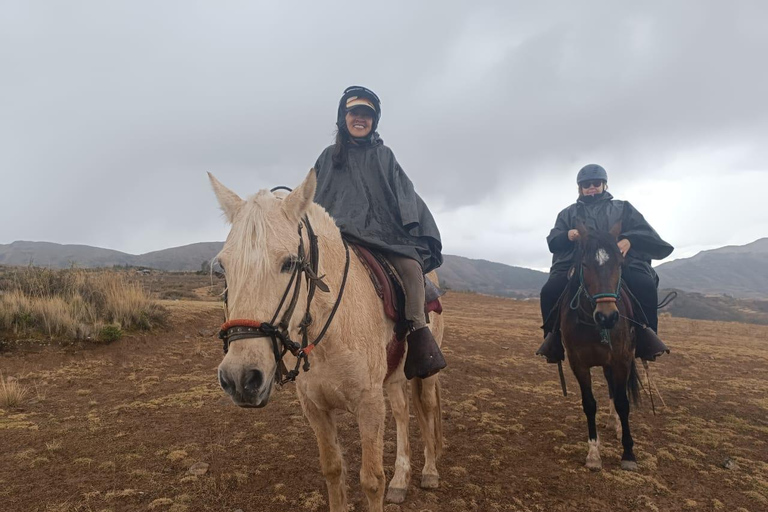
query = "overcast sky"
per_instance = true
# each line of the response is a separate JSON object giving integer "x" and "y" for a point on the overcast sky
{"x": 112, "y": 112}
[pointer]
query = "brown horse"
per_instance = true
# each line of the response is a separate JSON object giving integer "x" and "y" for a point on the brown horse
{"x": 597, "y": 331}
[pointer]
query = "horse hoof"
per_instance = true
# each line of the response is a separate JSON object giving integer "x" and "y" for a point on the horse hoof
{"x": 430, "y": 481}
{"x": 395, "y": 495}
{"x": 594, "y": 465}
{"x": 629, "y": 465}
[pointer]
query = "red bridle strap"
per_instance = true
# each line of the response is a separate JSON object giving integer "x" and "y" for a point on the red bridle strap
{"x": 240, "y": 322}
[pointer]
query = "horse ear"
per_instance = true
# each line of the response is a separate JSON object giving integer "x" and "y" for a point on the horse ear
{"x": 229, "y": 201}
{"x": 296, "y": 203}
{"x": 582, "y": 229}
{"x": 616, "y": 230}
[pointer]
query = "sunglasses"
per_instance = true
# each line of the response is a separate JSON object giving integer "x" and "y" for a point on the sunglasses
{"x": 593, "y": 183}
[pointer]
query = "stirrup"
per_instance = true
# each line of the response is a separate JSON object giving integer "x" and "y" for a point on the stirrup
{"x": 424, "y": 357}
{"x": 552, "y": 348}
{"x": 648, "y": 346}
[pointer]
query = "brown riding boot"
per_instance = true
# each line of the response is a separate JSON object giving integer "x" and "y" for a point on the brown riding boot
{"x": 552, "y": 348}
{"x": 648, "y": 346}
{"x": 424, "y": 357}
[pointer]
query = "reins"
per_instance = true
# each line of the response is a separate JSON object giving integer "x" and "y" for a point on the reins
{"x": 306, "y": 264}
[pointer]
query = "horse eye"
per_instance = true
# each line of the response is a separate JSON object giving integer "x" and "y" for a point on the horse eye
{"x": 288, "y": 264}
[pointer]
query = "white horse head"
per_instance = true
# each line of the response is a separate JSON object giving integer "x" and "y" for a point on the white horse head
{"x": 258, "y": 257}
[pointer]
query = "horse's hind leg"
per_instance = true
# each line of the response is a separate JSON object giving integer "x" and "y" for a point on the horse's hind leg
{"x": 589, "y": 405}
{"x": 331, "y": 460}
{"x": 370, "y": 420}
{"x": 398, "y": 399}
{"x": 613, "y": 417}
{"x": 426, "y": 402}
{"x": 621, "y": 401}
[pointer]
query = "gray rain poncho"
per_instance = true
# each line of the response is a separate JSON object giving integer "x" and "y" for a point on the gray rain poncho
{"x": 374, "y": 204}
{"x": 601, "y": 212}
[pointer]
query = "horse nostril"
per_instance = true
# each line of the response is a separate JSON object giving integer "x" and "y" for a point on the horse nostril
{"x": 253, "y": 380}
{"x": 225, "y": 384}
{"x": 599, "y": 318}
{"x": 614, "y": 318}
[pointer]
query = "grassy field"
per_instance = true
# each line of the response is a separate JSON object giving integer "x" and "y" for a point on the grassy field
{"x": 121, "y": 427}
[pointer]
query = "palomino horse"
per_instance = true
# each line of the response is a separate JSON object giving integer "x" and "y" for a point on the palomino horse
{"x": 349, "y": 367}
{"x": 596, "y": 331}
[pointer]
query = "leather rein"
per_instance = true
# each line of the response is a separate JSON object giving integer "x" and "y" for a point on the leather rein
{"x": 306, "y": 264}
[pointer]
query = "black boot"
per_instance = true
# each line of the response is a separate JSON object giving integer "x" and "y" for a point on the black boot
{"x": 424, "y": 357}
{"x": 552, "y": 348}
{"x": 648, "y": 346}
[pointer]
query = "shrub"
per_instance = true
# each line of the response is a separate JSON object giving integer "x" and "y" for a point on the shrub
{"x": 110, "y": 333}
{"x": 11, "y": 392}
{"x": 74, "y": 302}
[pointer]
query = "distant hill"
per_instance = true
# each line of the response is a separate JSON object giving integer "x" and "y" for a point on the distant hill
{"x": 717, "y": 307}
{"x": 45, "y": 254}
{"x": 457, "y": 273}
{"x": 735, "y": 270}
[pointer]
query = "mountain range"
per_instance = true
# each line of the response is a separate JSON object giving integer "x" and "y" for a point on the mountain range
{"x": 739, "y": 271}
{"x": 736, "y": 271}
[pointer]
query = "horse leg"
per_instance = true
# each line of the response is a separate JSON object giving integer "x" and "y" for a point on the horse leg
{"x": 426, "y": 401}
{"x": 589, "y": 405}
{"x": 370, "y": 421}
{"x": 331, "y": 461}
{"x": 398, "y": 486}
{"x": 621, "y": 401}
{"x": 613, "y": 417}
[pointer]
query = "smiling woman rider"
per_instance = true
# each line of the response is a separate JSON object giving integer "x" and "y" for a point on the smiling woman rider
{"x": 374, "y": 204}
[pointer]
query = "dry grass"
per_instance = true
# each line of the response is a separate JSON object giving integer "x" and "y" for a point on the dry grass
{"x": 12, "y": 394}
{"x": 74, "y": 303}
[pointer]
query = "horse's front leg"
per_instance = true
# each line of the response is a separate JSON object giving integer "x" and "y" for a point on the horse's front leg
{"x": 398, "y": 486}
{"x": 621, "y": 402}
{"x": 331, "y": 461}
{"x": 370, "y": 420}
{"x": 589, "y": 405}
{"x": 613, "y": 417}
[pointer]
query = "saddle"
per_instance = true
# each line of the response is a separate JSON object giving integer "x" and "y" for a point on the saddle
{"x": 389, "y": 288}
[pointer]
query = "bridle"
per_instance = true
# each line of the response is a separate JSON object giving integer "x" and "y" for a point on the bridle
{"x": 306, "y": 264}
{"x": 598, "y": 298}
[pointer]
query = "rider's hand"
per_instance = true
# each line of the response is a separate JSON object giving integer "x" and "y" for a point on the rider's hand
{"x": 624, "y": 246}
{"x": 573, "y": 235}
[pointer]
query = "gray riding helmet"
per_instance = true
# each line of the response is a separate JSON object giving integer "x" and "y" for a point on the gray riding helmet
{"x": 592, "y": 172}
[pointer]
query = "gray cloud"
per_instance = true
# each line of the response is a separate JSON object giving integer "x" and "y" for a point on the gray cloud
{"x": 112, "y": 112}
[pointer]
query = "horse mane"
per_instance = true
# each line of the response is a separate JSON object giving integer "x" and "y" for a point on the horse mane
{"x": 252, "y": 233}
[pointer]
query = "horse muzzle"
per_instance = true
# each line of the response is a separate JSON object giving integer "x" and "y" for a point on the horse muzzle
{"x": 248, "y": 388}
{"x": 606, "y": 319}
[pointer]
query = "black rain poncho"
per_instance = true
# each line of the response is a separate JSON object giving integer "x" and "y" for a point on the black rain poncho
{"x": 602, "y": 212}
{"x": 374, "y": 203}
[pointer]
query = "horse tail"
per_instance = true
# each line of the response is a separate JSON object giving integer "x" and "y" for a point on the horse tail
{"x": 633, "y": 385}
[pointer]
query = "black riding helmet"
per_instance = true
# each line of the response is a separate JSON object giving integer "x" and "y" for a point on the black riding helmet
{"x": 354, "y": 92}
{"x": 592, "y": 172}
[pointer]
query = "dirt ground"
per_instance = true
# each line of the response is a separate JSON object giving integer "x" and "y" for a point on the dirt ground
{"x": 117, "y": 427}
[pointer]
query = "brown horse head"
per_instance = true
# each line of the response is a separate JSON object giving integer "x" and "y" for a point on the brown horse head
{"x": 599, "y": 265}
